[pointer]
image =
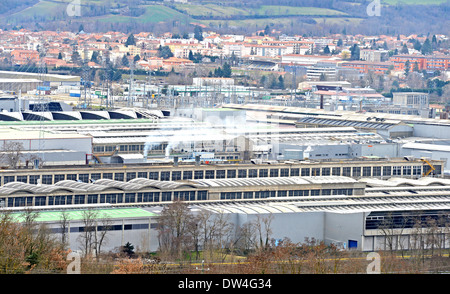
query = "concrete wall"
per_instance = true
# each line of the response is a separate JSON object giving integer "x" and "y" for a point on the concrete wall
{"x": 339, "y": 228}
{"x": 432, "y": 131}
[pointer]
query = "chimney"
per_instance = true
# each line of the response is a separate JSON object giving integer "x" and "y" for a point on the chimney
{"x": 321, "y": 101}
{"x": 175, "y": 161}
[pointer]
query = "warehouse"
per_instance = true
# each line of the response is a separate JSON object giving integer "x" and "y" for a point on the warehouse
{"x": 386, "y": 209}
{"x": 49, "y": 148}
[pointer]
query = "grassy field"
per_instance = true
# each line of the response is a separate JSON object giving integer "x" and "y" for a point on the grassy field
{"x": 288, "y": 10}
{"x": 212, "y": 10}
{"x": 50, "y": 10}
{"x": 153, "y": 14}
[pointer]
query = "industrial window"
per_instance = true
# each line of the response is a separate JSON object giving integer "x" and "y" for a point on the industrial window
{"x": 367, "y": 171}
{"x": 315, "y": 172}
{"x": 356, "y": 171}
{"x": 107, "y": 176}
{"x": 220, "y": 174}
{"x": 326, "y": 191}
{"x": 165, "y": 176}
{"x": 252, "y": 173}
{"x": 142, "y": 175}
{"x": 407, "y": 170}
{"x": 92, "y": 198}
{"x": 23, "y": 179}
{"x": 209, "y": 174}
{"x": 284, "y": 172}
{"x": 263, "y": 173}
{"x": 187, "y": 175}
{"x": 396, "y": 170}
{"x": 342, "y": 191}
{"x": 184, "y": 195}
{"x": 336, "y": 171}
{"x": 202, "y": 195}
{"x": 264, "y": 194}
{"x": 59, "y": 178}
{"x": 79, "y": 199}
{"x": 8, "y": 179}
{"x": 176, "y": 175}
{"x": 231, "y": 173}
{"x": 294, "y": 193}
{"x": 47, "y": 179}
{"x": 148, "y": 197}
{"x": 95, "y": 176}
{"x": 325, "y": 171}
{"x": 39, "y": 201}
{"x": 417, "y": 170}
{"x": 166, "y": 196}
{"x": 274, "y": 172}
{"x": 346, "y": 171}
{"x": 248, "y": 195}
{"x": 376, "y": 171}
{"x": 305, "y": 172}
{"x": 230, "y": 195}
{"x": 57, "y": 200}
{"x": 33, "y": 179}
{"x": 315, "y": 192}
{"x": 130, "y": 197}
{"x": 153, "y": 175}
{"x": 118, "y": 176}
{"x": 198, "y": 174}
{"x": 18, "y": 201}
{"x": 387, "y": 171}
{"x": 131, "y": 176}
{"x": 295, "y": 172}
{"x": 242, "y": 173}
{"x": 282, "y": 193}
{"x": 437, "y": 169}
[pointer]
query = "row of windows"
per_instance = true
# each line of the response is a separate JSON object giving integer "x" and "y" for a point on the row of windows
{"x": 367, "y": 171}
{"x": 112, "y": 198}
{"x": 283, "y": 193}
{"x": 124, "y": 227}
{"x": 144, "y": 197}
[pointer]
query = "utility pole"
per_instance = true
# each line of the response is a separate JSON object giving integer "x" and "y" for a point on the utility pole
{"x": 85, "y": 75}
{"x": 131, "y": 84}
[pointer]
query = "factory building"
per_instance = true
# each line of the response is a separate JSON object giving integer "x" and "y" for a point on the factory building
{"x": 203, "y": 169}
{"x": 355, "y": 214}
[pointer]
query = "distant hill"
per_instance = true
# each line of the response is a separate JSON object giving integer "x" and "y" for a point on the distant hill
{"x": 287, "y": 16}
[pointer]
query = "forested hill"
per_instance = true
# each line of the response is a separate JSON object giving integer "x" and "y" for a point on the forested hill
{"x": 315, "y": 17}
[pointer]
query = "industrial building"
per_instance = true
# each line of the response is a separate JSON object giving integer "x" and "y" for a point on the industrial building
{"x": 355, "y": 214}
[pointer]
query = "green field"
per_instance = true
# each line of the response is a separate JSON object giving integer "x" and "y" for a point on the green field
{"x": 288, "y": 10}
{"x": 218, "y": 11}
{"x": 153, "y": 14}
{"x": 210, "y": 10}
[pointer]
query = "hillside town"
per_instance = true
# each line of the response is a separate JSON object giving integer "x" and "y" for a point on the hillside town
{"x": 369, "y": 67}
{"x": 233, "y": 153}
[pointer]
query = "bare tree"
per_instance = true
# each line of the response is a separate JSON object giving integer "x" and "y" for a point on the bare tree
{"x": 172, "y": 228}
{"x": 263, "y": 230}
{"x": 11, "y": 153}
{"x": 64, "y": 226}
{"x": 100, "y": 237}
{"x": 87, "y": 237}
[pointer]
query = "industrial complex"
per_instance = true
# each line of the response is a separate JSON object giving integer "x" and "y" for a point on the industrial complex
{"x": 333, "y": 176}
